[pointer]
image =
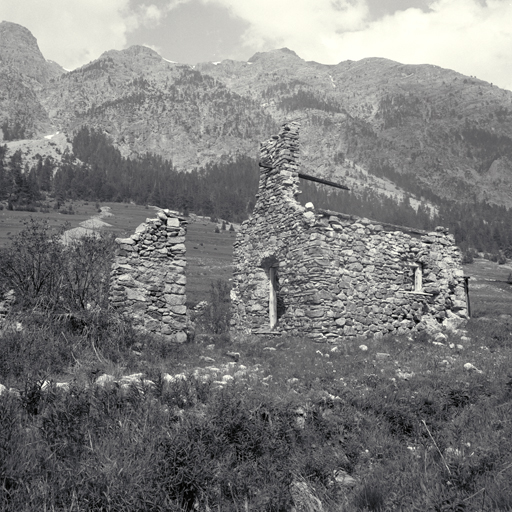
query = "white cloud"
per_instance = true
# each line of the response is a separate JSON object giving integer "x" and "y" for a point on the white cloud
{"x": 151, "y": 14}
{"x": 172, "y": 4}
{"x": 471, "y": 36}
{"x": 75, "y": 32}
{"x": 302, "y": 25}
{"x": 464, "y": 35}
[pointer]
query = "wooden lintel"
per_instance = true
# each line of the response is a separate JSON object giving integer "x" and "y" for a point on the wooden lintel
{"x": 322, "y": 181}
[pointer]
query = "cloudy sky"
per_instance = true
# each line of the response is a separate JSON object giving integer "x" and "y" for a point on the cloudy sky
{"x": 473, "y": 37}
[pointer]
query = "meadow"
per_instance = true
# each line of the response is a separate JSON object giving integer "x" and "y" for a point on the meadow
{"x": 209, "y": 254}
{"x": 96, "y": 416}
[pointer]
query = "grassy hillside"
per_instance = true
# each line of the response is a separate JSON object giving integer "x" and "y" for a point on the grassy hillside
{"x": 133, "y": 424}
{"x": 95, "y": 416}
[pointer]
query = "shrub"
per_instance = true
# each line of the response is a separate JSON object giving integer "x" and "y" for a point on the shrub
{"x": 87, "y": 271}
{"x": 467, "y": 257}
{"x": 216, "y": 316}
{"x": 492, "y": 257}
{"x": 33, "y": 264}
{"x": 105, "y": 449}
{"x": 52, "y": 276}
{"x": 49, "y": 344}
{"x": 26, "y": 208}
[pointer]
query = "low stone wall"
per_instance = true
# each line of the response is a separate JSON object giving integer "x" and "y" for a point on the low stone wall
{"x": 328, "y": 275}
{"x": 148, "y": 277}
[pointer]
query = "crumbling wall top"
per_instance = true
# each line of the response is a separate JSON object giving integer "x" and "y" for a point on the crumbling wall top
{"x": 148, "y": 276}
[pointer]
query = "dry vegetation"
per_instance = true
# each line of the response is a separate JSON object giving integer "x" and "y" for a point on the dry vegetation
{"x": 279, "y": 423}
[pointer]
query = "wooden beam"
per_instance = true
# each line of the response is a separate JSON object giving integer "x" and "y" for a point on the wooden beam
{"x": 322, "y": 181}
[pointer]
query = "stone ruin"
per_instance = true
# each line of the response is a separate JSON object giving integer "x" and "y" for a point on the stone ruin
{"x": 328, "y": 275}
{"x": 148, "y": 277}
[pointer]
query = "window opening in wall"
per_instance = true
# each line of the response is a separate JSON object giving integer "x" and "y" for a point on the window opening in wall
{"x": 417, "y": 278}
{"x": 272, "y": 303}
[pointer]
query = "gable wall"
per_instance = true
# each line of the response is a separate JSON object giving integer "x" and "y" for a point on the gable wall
{"x": 338, "y": 275}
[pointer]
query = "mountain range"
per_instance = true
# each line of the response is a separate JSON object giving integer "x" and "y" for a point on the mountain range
{"x": 429, "y": 131}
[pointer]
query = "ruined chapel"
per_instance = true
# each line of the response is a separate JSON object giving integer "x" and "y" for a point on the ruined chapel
{"x": 328, "y": 275}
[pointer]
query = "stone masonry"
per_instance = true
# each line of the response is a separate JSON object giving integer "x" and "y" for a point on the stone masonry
{"x": 328, "y": 275}
{"x": 148, "y": 277}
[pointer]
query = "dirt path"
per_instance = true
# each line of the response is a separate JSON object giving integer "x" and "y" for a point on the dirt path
{"x": 90, "y": 227}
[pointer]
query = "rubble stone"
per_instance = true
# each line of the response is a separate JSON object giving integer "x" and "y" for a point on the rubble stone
{"x": 148, "y": 277}
{"x": 312, "y": 272}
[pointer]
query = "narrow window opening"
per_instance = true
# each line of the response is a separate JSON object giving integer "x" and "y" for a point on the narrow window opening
{"x": 418, "y": 278}
{"x": 272, "y": 303}
{"x": 466, "y": 292}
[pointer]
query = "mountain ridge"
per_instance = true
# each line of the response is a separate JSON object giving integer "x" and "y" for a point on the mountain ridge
{"x": 434, "y": 130}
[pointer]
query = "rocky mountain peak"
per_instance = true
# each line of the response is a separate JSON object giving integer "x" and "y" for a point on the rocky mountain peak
{"x": 135, "y": 52}
{"x": 19, "y": 50}
{"x": 431, "y": 130}
{"x": 136, "y": 60}
{"x": 57, "y": 68}
{"x": 272, "y": 55}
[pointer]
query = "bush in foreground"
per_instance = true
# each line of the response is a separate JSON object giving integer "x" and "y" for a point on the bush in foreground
{"x": 49, "y": 275}
{"x": 99, "y": 449}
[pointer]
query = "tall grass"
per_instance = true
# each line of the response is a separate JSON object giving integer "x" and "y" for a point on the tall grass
{"x": 440, "y": 440}
{"x": 414, "y": 429}
{"x": 216, "y": 315}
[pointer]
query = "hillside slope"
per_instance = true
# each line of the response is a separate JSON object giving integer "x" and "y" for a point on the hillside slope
{"x": 430, "y": 131}
{"x": 451, "y": 132}
{"x": 147, "y": 104}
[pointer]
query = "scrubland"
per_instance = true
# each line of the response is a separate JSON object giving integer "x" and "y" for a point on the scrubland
{"x": 261, "y": 424}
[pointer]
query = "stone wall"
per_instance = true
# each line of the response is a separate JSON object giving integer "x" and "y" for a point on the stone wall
{"x": 329, "y": 275}
{"x": 148, "y": 277}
